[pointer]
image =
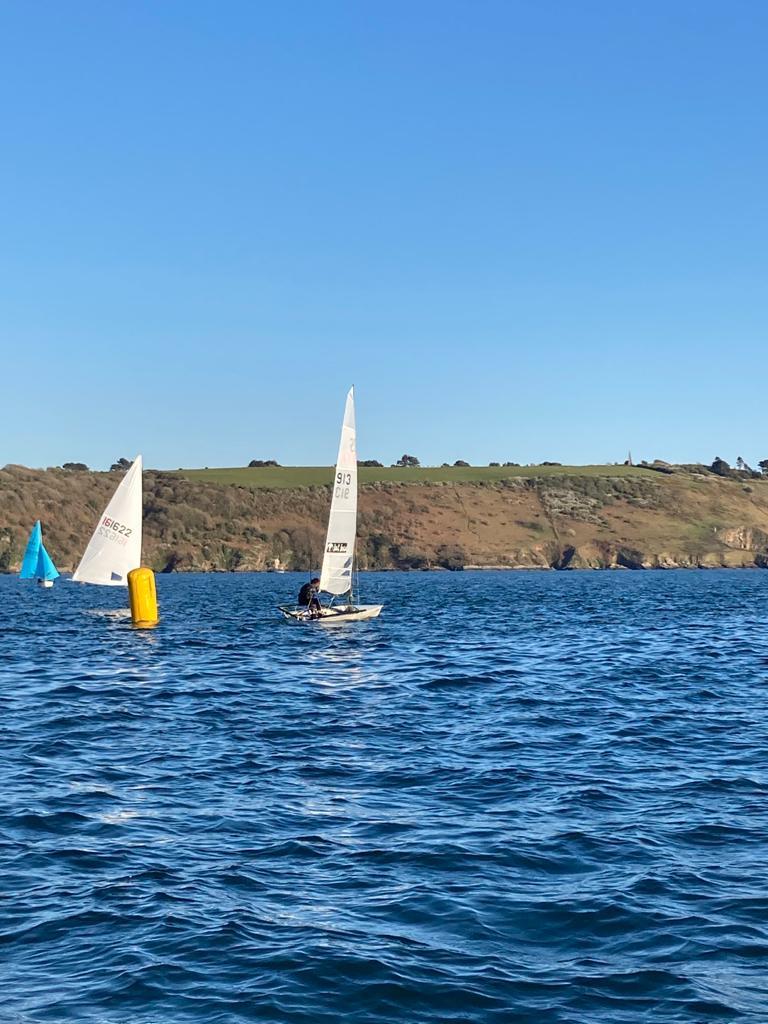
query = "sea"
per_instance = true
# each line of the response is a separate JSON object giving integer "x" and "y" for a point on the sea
{"x": 514, "y": 797}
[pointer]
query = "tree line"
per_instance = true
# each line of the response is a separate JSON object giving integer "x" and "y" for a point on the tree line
{"x": 718, "y": 466}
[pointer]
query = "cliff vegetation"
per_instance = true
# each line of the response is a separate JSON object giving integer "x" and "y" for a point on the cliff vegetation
{"x": 558, "y": 517}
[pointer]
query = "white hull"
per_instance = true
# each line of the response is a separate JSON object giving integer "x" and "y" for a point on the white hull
{"x": 45, "y": 584}
{"x": 333, "y": 616}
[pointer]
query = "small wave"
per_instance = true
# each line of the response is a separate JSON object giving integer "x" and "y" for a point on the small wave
{"x": 116, "y": 614}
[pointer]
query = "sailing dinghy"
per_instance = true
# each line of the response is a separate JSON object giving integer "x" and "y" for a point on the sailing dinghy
{"x": 336, "y": 576}
{"x": 115, "y": 547}
{"x": 37, "y": 563}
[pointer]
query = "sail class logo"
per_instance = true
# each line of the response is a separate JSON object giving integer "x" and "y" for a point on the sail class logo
{"x": 336, "y": 547}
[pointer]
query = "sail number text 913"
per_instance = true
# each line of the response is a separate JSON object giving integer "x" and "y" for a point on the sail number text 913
{"x": 114, "y": 531}
{"x": 343, "y": 480}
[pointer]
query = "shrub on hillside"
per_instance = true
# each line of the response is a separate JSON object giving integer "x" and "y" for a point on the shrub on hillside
{"x": 530, "y": 524}
{"x": 7, "y": 551}
{"x": 376, "y": 551}
{"x": 451, "y": 556}
{"x": 260, "y": 463}
{"x": 721, "y": 468}
{"x": 75, "y": 467}
{"x": 407, "y": 558}
{"x": 232, "y": 558}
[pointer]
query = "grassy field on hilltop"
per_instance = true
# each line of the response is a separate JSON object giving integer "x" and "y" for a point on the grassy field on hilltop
{"x": 319, "y": 476}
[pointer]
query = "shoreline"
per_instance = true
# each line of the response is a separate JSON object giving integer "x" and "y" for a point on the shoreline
{"x": 66, "y": 574}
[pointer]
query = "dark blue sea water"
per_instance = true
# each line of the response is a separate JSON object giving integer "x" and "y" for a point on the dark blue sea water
{"x": 534, "y": 797}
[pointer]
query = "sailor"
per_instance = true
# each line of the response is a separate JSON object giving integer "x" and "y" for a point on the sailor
{"x": 308, "y": 595}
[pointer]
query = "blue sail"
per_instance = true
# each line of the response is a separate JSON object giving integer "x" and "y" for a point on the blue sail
{"x": 31, "y": 555}
{"x": 46, "y": 570}
{"x": 37, "y": 562}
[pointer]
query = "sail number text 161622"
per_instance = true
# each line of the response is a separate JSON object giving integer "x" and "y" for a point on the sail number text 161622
{"x": 114, "y": 531}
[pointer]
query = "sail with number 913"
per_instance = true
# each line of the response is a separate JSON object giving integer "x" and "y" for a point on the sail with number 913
{"x": 339, "y": 552}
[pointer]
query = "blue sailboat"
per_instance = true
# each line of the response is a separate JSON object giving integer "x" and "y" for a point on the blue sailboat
{"x": 37, "y": 562}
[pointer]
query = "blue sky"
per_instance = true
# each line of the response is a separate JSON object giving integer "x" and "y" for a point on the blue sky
{"x": 523, "y": 230}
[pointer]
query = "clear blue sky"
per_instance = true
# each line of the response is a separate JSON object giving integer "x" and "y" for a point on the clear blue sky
{"x": 523, "y": 230}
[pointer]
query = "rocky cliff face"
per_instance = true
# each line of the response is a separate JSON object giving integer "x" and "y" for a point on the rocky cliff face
{"x": 567, "y": 521}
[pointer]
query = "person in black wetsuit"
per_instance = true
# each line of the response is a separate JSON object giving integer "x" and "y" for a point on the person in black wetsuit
{"x": 308, "y": 595}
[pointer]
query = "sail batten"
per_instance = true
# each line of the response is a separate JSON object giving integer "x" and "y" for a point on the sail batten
{"x": 339, "y": 552}
{"x": 115, "y": 547}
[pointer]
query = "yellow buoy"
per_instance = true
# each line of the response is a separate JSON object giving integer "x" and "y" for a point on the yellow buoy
{"x": 143, "y": 595}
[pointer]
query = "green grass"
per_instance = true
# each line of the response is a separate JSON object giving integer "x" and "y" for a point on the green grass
{"x": 319, "y": 476}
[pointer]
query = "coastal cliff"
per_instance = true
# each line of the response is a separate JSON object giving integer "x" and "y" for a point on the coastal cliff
{"x": 563, "y": 518}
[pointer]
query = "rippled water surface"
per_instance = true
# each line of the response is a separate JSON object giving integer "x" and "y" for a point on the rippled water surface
{"x": 515, "y": 797}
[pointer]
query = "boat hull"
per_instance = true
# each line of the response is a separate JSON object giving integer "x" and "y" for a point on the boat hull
{"x": 332, "y": 616}
{"x": 45, "y": 584}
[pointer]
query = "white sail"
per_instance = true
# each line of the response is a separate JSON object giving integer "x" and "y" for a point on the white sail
{"x": 115, "y": 547}
{"x": 336, "y": 574}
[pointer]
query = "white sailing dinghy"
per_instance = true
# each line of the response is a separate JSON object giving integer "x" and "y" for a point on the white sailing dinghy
{"x": 115, "y": 547}
{"x": 336, "y": 576}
